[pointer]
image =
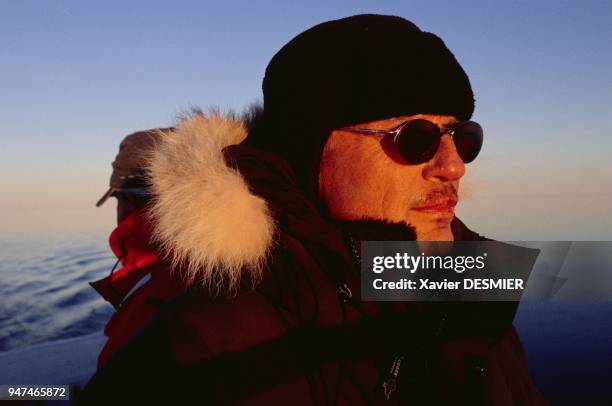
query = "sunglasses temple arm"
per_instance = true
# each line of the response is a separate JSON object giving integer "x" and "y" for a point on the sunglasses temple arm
{"x": 369, "y": 131}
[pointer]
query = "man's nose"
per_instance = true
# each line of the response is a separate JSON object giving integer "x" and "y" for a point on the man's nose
{"x": 446, "y": 165}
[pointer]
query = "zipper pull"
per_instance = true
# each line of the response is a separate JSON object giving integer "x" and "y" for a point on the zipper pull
{"x": 390, "y": 385}
{"x": 345, "y": 292}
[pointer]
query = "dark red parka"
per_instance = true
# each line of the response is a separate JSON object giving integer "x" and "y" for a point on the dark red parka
{"x": 272, "y": 313}
{"x": 140, "y": 287}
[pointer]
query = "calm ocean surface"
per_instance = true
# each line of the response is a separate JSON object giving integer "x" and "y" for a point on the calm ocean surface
{"x": 44, "y": 287}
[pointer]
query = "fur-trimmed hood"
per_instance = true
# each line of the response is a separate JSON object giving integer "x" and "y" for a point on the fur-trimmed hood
{"x": 218, "y": 226}
{"x": 206, "y": 220}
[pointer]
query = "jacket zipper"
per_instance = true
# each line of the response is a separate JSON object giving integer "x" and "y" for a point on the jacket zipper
{"x": 390, "y": 385}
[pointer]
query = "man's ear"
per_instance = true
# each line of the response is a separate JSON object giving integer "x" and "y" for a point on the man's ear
{"x": 329, "y": 160}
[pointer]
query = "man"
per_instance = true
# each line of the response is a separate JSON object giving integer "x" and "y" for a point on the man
{"x": 144, "y": 282}
{"x": 364, "y": 136}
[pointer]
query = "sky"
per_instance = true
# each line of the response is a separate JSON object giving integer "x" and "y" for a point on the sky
{"x": 76, "y": 77}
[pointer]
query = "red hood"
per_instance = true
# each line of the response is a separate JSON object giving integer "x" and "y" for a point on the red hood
{"x": 131, "y": 244}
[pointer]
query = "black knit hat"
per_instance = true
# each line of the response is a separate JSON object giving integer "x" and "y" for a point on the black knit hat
{"x": 353, "y": 70}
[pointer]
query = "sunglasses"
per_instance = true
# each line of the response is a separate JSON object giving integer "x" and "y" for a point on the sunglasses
{"x": 417, "y": 141}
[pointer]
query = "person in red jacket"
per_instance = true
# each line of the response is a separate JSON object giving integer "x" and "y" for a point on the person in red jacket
{"x": 144, "y": 282}
{"x": 364, "y": 136}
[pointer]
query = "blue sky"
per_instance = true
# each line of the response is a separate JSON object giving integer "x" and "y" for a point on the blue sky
{"x": 76, "y": 77}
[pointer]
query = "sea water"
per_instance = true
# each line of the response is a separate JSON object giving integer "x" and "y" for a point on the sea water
{"x": 44, "y": 290}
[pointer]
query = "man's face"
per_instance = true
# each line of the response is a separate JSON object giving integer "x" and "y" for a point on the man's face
{"x": 362, "y": 176}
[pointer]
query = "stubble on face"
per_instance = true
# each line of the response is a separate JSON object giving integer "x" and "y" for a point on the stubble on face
{"x": 362, "y": 177}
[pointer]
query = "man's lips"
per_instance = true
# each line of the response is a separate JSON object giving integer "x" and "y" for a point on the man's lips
{"x": 446, "y": 205}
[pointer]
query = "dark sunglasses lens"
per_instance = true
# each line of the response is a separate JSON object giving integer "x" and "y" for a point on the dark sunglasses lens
{"x": 418, "y": 141}
{"x": 468, "y": 140}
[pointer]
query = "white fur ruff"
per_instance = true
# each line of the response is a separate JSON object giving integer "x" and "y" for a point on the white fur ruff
{"x": 208, "y": 223}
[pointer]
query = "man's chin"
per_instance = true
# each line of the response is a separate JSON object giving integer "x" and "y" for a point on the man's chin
{"x": 434, "y": 231}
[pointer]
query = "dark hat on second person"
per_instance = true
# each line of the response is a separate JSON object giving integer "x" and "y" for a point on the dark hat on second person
{"x": 128, "y": 167}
